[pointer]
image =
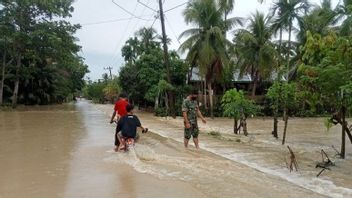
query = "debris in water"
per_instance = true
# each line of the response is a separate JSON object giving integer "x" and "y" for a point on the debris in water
{"x": 325, "y": 164}
{"x": 293, "y": 161}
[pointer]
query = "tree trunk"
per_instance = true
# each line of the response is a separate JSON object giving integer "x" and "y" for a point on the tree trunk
{"x": 285, "y": 128}
{"x": 275, "y": 133}
{"x": 2, "y": 78}
{"x": 156, "y": 102}
{"x": 288, "y": 53}
{"x": 244, "y": 126}
{"x": 211, "y": 100}
{"x": 255, "y": 83}
{"x": 235, "y": 126}
{"x": 280, "y": 45}
{"x": 17, "y": 83}
{"x": 343, "y": 141}
{"x": 254, "y": 88}
{"x": 278, "y": 78}
{"x": 189, "y": 76}
{"x": 167, "y": 103}
{"x": 205, "y": 94}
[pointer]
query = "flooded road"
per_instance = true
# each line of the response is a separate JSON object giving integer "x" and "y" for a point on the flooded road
{"x": 66, "y": 151}
{"x": 61, "y": 151}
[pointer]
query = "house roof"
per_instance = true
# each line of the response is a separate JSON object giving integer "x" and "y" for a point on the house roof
{"x": 236, "y": 76}
{"x": 246, "y": 78}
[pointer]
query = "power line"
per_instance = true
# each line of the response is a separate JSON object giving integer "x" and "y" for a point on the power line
{"x": 133, "y": 29}
{"x": 163, "y": 3}
{"x": 130, "y": 13}
{"x": 172, "y": 30}
{"x": 175, "y": 7}
{"x": 111, "y": 21}
{"x": 156, "y": 18}
{"x": 125, "y": 30}
{"x": 145, "y": 5}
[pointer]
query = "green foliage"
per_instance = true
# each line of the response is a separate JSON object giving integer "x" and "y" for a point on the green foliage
{"x": 255, "y": 52}
{"x": 282, "y": 95}
{"x": 143, "y": 76}
{"x": 160, "y": 112}
{"x": 95, "y": 92}
{"x": 41, "y": 50}
{"x": 206, "y": 44}
{"x": 326, "y": 70}
{"x": 235, "y": 105}
{"x": 111, "y": 90}
{"x": 328, "y": 124}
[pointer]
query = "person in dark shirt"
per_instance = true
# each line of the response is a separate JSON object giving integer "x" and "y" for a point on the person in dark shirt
{"x": 127, "y": 126}
{"x": 119, "y": 111}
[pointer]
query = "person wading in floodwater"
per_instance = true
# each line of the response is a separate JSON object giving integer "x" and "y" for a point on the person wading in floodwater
{"x": 190, "y": 111}
{"x": 127, "y": 128}
{"x": 120, "y": 111}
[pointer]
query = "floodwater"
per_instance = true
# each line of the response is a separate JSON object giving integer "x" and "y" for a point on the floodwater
{"x": 67, "y": 151}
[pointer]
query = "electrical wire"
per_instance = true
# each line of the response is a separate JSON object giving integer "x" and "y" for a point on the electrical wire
{"x": 122, "y": 37}
{"x": 130, "y": 13}
{"x": 175, "y": 7}
{"x": 132, "y": 30}
{"x": 172, "y": 30}
{"x": 112, "y": 21}
{"x": 146, "y": 5}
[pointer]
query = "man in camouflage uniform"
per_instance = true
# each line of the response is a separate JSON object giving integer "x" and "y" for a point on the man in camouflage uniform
{"x": 190, "y": 111}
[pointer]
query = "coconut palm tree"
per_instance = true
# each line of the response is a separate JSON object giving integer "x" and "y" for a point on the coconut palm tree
{"x": 287, "y": 12}
{"x": 345, "y": 12}
{"x": 256, "y": 53}
{"x": 320, "y": 20}
{"x": 148, "y": 37}
{"x": 206, "y": 44}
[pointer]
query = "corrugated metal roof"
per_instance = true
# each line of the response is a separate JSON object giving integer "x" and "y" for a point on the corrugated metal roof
{"x": 236, "y": 76}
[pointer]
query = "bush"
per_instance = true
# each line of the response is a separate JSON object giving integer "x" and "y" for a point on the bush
{"x": 160, "y": 112}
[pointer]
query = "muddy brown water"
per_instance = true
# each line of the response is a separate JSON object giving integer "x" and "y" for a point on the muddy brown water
{"x": 66, "y": 151}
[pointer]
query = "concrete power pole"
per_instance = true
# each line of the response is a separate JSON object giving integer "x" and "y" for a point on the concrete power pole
{"x": 166, "y": 59}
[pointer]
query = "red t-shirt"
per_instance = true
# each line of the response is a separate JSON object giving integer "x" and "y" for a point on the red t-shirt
{"x": 120, "y": 107}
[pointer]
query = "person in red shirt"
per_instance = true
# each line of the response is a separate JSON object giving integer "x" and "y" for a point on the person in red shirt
{"x": 120, "y": 111}
{"x": 120, "y": 107}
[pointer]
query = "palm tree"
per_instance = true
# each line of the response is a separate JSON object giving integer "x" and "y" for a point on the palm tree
{"x": 130, "y": 51}
{"x": 288, "y": 11}
{"x": 345, "y": 11}
{"x": 319, "y": 21}
{"x": 148, "y": 37}
{"x": 206, "y": 44}
{"x": 256, "y": 52}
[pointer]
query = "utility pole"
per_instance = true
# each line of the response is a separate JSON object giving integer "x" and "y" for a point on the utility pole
{"x": 109, "y": 68}
{"x": 166, "y": 59}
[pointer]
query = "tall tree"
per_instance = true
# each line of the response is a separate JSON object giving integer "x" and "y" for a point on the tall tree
{"x": 148, "y": 38}
{"x": 25, "y": 16}
{"x": 287, "y": 12}
{"x": 206, "y": 44}
{"x": 256, "y": 53}
{"x": 345, "y": 13}
{"x": 46, "y": 65}
{"x": 320, "y": 20}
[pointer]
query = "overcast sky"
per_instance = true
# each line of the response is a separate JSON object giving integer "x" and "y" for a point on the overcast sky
{"x": 106, "y": 27}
